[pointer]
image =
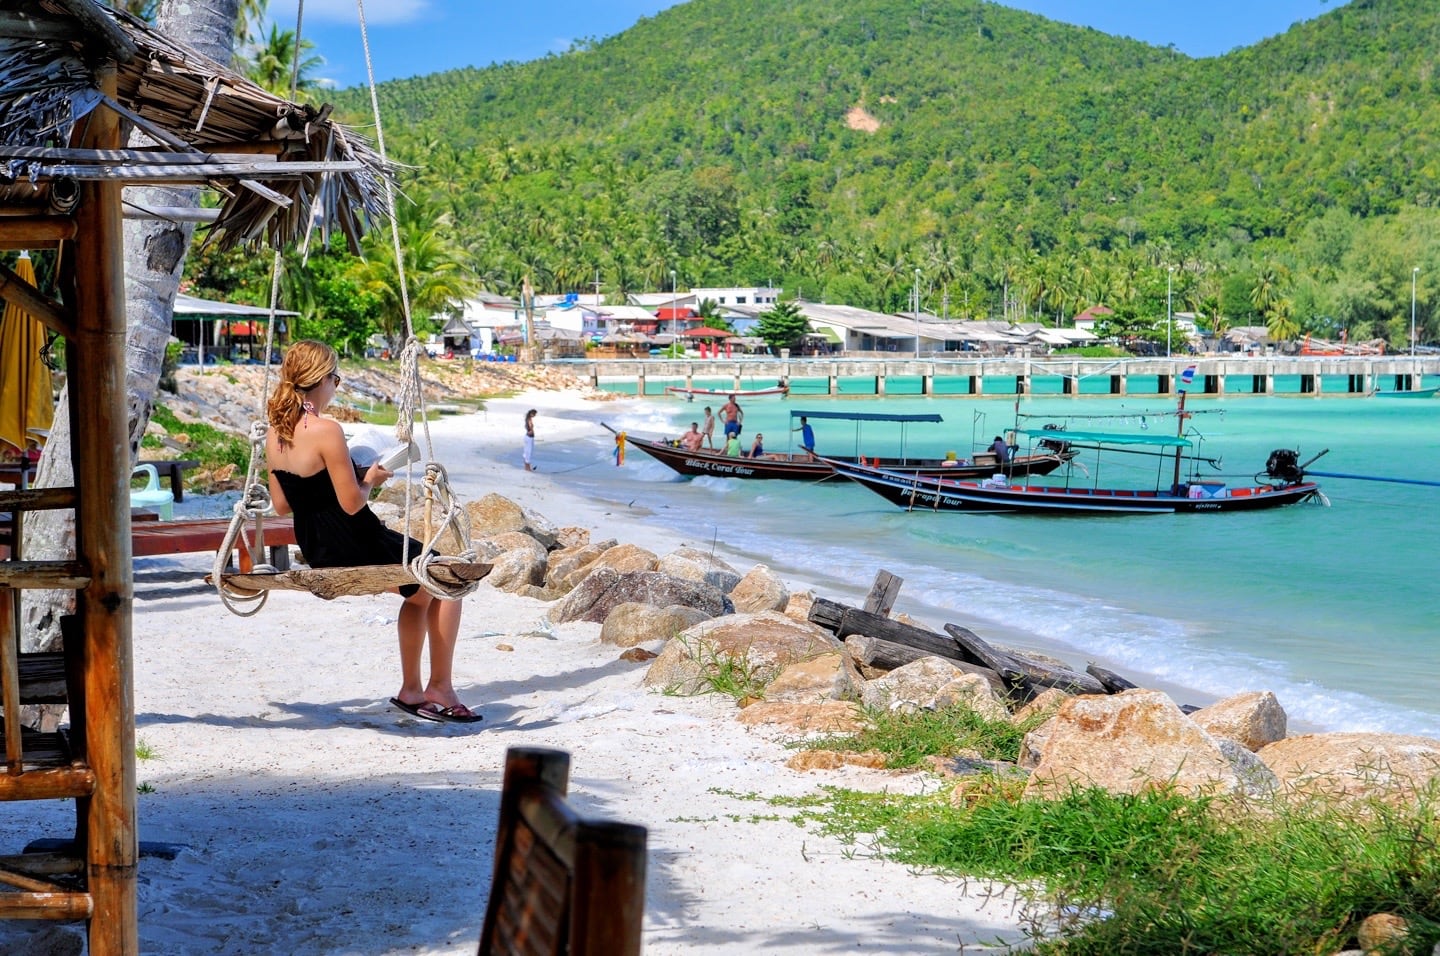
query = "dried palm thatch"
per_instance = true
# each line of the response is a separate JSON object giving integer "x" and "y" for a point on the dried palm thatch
{"x": 205, "y": 122}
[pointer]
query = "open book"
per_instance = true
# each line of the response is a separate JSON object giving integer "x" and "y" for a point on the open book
{"x": 373, "y": 445}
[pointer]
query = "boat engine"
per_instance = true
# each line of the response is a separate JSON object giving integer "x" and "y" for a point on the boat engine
{"x": 1284, "y": 465}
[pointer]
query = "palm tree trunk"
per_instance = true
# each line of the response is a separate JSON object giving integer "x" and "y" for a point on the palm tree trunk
{"x": 154, "y": 258}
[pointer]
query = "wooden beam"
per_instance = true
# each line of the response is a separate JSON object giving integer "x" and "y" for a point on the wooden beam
{"x": 55, "y": 154}
{"x": 37, "y": 499}
{"x": 56, "y": 317}
{"x": 171, "y": 213}
{"x": 195, "y": 173}
{"x": 67, "y": 575}
{"x": 56, "y": 906}
{"x": 57, "y": 783}
{"x": 30, "y": 232}
{"x": 883, "y": 593}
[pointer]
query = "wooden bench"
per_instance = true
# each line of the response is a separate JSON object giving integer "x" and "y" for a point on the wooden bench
{"x": 175, "y": 470}
{"x": 562, "y": 884}
{"x": 150, "y": 538}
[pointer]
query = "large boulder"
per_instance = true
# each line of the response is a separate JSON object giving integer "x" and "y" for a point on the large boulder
{"x": 816, "y": 717}
{"x": 931, "y": 683}
{"x": 517, "y": 560}
{"x": 563, "y": 562}
{"x": 495, "y": 514}
{"x": 628, "y": 625}
{"x": 598, "y": 594}
{"x": 1254, "y": 718}
{"x": 622, "y": 558}
{"x": 760, "y": 590}
{"x": 753, "y": 648}
{"x": 799, "y": 605}
{"x": 692, "y": 564}
{"x": 1353, "y": 766}
{"x": 829, "y": 676}
{"x": 1127, "y": 743}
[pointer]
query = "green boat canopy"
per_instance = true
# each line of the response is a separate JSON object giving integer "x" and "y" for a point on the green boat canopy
{"x": 1108, "y": 438}
{"x": 865, "y": 417}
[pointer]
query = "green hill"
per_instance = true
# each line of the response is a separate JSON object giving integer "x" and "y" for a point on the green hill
{"x": 835, "y": 146}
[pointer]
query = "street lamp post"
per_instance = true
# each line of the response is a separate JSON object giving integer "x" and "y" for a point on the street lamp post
{"x": 915, "y": 298}
{"x": 1169, "y": 312}
{"x": 1414, "y": 274}
{"x": 674, "y": 312}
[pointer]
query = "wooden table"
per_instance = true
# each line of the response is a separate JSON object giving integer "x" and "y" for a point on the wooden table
{"x": 175, "y": 470}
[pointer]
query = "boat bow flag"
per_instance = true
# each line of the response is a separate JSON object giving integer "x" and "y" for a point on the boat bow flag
{"x": 1186, "y": 377}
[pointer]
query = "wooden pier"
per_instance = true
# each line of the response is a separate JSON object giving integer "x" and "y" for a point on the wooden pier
{"x": 1315, "y": 376}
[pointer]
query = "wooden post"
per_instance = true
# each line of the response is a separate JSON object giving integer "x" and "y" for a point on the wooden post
{"x": 100, "y": 413}
{"x": 883, "y": 593}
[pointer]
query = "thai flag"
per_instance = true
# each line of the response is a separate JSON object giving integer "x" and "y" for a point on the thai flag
{"x": 1186, "y": 377}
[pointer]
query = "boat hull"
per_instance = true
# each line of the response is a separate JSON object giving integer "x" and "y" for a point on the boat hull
{"x": 922, "y": 493}
{"x": 801, "y": 467}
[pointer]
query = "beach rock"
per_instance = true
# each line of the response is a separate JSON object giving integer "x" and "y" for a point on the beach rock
{"x": 756, "y": 646}
{"x": 1127, "y": 743}
{"x": 517, "y": 560}
{"x": 622, "y": 558}
{"x": 692, "y": 564}
{"x": 563, "y": 562}
{"x": 1352, "y": 766}
{"x": 633, "y": 623}
{"x": 597, "y": 595}
{"x": 760, "y": 590}
{"x": 1048, "y": 701}
{"x": 495, "y": 514}
{"x": 572, "y": 537}
{"x": 932, "y": 684}
{"x": 1254, "y": 718}
{"x": 538, "y": 593}
{"x": 819, "y": 717}
{"x": 808, "y": 760}
{"x": 827, "y": 677}
{"x": 1382, "y": 933}
{"x": 1256, "y": 779}
{"x": 638, "y": 655}
{"x": 799, "y": 604}
{"x": 969, "y": 763}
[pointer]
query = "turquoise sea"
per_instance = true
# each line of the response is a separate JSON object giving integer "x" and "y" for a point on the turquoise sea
{"x": 1336, "y": 609}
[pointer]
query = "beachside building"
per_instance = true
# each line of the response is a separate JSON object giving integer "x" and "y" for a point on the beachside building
{"x": 763, "y": 296}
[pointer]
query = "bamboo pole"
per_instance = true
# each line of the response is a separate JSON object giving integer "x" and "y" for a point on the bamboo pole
{"x": 99, "y": 416}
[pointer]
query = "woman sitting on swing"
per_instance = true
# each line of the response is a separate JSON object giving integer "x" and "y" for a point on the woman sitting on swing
{"x": 313, "y": 478}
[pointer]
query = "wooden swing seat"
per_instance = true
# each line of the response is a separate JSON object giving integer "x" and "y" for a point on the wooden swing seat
{"x": 329, "y": 583}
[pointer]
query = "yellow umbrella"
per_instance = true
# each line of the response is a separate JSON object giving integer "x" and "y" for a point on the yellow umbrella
{"x": 26, "y": 400}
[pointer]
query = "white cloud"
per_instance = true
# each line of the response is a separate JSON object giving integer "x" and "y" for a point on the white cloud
{"x": 377, "y": 12}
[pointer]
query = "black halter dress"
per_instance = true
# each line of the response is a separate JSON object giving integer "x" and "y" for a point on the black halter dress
{"x": 329, "y": 537}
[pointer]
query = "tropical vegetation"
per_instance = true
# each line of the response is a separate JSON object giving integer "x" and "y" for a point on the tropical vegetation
{"x": 1027, "y": 168}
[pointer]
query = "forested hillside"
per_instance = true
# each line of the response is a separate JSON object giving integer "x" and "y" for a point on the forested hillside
{"x": 835, "y": 147}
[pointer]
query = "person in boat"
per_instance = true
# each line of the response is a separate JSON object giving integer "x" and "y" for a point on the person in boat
{"x": 709, "y": 430}
{"x": 733, "y": 415}
{"x": 732, "y": 446}
{"x": 807, "y": 436}
{"x": 690, "y": 441}
{"x": 1000, "y": 450}
{"x": 313, "y": 478}
{"x": 757, "y": 450}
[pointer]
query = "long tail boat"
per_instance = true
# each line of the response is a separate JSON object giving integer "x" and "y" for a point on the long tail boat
{"x": 802, "y": 466}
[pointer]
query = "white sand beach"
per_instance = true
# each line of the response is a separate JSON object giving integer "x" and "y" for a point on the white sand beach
{"x": 313, "y": 817}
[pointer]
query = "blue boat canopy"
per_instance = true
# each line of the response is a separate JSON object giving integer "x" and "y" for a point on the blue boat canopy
{"x": 1108, "y": 438}
{"x": 865, "y": 417}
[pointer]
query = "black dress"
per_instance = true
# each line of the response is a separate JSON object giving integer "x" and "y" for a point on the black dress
{"x": 329, "y": 537}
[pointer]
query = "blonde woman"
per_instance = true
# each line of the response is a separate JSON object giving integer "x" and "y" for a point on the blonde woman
{"x": 313, "y": 478}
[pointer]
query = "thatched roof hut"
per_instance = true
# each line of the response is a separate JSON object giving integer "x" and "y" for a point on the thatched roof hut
{"x": 208, "y": 124}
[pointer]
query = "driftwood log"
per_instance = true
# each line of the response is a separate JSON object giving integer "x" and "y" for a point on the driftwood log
{"x": 1035, "y": 674}
{"x": 1113, "y": 682}
{"x": 882, "y": 655}
{"x": 331, "y": 583}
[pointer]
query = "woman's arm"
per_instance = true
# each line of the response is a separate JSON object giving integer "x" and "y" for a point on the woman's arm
{"x": 351, "y": 493}
{"x": 277, "y": 496}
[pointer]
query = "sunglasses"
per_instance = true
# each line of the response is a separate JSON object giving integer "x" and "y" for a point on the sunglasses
{"x": 335, "y": 377}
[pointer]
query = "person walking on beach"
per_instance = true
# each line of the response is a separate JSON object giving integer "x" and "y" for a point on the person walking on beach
{"x": 807, "y": 436}
{"x": 313, "y": 478}
{"x": 733, "y": 416}
{"x": 690, "y": 441}
{"x": 709, "y": 430}
{"x": 528, "y": 452}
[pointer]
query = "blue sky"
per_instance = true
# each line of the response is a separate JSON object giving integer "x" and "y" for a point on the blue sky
{"x": 413, "y": 37}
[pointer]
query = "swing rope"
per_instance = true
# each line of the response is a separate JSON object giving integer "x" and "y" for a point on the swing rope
{"x": 429, "y": 568}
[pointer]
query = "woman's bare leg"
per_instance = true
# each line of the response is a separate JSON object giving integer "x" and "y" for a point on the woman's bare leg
{"x": 443, "y": 620}
{"x": 411, "y": 625}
